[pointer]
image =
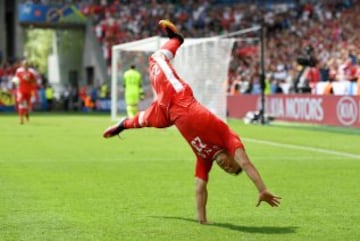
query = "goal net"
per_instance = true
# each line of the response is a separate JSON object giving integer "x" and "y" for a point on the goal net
{"x": 201, "y": 62}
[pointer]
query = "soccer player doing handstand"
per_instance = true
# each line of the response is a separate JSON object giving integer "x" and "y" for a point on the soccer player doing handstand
{"x": 210, "y": 138}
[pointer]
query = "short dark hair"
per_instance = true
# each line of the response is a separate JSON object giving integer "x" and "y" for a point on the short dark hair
{"x": 133, "y": 66}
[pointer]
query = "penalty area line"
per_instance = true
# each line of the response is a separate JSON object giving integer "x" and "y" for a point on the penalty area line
{"x": 306, "y": 148}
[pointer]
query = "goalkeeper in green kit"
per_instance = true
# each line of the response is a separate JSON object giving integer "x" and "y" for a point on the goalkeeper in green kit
{"x": 132, "y": 83}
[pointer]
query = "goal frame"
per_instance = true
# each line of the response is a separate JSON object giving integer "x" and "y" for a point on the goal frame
{"x": 157, "y": 41}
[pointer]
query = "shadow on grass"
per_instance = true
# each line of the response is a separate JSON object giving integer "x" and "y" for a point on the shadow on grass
{"x": 241, "y": 228}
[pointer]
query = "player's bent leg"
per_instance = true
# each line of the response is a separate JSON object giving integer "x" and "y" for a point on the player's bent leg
{"x": 154, "y": 116}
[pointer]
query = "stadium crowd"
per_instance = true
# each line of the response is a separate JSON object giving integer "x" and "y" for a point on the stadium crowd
{"x": 330, "y": 27}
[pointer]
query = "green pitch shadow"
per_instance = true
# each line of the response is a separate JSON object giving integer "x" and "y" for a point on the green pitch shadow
{"x": 240, "y": 228}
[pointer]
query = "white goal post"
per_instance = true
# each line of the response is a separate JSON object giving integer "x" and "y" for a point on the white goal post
{"x": 201, "y": 62}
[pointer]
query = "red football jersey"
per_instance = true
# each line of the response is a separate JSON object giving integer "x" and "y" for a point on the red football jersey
{"x": 167, "y": 85}
{"x": 27, "y": 80}
{"x": 206, "y": 134}
{"x": 175, "y": 104}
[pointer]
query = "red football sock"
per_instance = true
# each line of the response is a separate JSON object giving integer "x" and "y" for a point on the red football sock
{"x": 132, "y": 122}
{"x": 172, "y": 45}
{"x": 22, "y": 111}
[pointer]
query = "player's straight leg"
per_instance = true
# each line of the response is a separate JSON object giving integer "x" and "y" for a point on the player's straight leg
{"x": 21, "y": 115}
{"x": 171, "y": 30}
{"x": 176, "y": 39}
{"x": 28, "y": 108}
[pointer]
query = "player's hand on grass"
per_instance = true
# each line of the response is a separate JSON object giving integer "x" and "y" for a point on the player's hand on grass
{"x": 271, "y": 199}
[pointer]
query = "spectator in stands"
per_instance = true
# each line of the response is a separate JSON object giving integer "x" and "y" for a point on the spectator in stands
{"x": 104, "y": 91}
{"x": 83, "y": 92}
{"x": 93, "y": 93}
{"x": 75, "y": 102}
{"x": 65, "y": 97}
{"x": 49, "y": 94}
{"x": 2, "y": 72}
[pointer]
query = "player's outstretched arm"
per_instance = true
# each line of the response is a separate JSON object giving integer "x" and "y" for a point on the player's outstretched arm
{"x": 268, "y": 197}
{"x": 201, "y": 200}
{"x": 264, "y": 195}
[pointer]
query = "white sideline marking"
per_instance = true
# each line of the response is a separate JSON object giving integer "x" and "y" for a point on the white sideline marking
{"x": 306, "y": 148}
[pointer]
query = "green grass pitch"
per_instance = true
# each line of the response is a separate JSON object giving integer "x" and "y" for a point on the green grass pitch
{"x": 60, "y": 180}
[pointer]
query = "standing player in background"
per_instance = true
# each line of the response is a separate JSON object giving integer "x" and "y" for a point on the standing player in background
{"x": 26, "y": 81}
{"x": 132, "y": 83}
{"x": 209, "y": 137}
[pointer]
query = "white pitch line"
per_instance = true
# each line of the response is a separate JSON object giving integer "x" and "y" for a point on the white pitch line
{"x": 306, "y": 148}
